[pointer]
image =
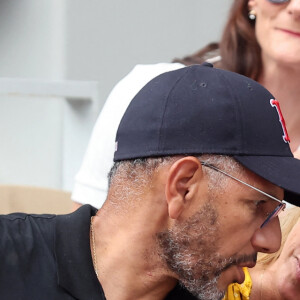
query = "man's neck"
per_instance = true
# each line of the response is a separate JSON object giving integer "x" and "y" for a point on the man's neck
{"x": 128, "y": 266}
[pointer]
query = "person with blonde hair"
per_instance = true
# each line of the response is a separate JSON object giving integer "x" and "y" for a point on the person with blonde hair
{"x": 276, "y": 276}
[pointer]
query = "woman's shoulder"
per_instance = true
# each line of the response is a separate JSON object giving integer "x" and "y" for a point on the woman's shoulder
{"x": 209, "y": 53}
{"x": 146, "y": 72}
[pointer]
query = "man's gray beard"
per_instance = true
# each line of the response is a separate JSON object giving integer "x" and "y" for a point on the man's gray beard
{"x": 190, "y": 251}
{"x": 208, "y": 291}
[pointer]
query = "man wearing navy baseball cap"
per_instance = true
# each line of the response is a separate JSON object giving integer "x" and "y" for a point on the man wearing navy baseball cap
{"x": 202, "y": 165}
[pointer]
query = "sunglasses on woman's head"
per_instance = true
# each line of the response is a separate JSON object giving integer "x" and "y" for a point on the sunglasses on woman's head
{"x": 278, "y": 1}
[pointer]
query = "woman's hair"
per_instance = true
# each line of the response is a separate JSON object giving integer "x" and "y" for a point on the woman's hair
{"x": 287, "y": 221}
{"x": 238, "y": 47}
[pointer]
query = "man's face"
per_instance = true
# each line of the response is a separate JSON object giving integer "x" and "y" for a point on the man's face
{"x": 208, "y": 250}
{"x": 192, "y": 253}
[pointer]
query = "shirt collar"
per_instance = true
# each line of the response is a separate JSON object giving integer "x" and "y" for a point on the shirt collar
{"x": 74, "y": 261}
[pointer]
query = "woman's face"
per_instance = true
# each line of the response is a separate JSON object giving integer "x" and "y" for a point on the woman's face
{"x": 277, "y": 28}
{"x": 287, "y": 267}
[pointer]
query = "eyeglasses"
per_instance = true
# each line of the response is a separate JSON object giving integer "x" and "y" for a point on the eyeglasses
{"x": 270, "y": 216}
{"x": 278, "y": 1}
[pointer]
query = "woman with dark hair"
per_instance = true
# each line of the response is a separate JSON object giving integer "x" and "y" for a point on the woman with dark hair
{"x": 238, "y": 50}
{"x": 261, "y": 40}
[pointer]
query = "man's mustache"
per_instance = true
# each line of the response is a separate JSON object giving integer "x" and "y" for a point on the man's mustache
{"x": 237, "y": 260}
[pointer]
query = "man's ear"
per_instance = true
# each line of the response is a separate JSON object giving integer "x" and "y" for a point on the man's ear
{"x": 182, "y": 183}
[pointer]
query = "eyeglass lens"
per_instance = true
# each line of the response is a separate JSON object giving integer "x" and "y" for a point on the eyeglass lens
{"x": 274, "y": 214}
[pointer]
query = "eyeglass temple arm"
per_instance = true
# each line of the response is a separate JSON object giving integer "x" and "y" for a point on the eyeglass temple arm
{"x": 241, "y": 181}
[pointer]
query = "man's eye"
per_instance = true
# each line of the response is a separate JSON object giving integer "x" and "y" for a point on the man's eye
{"x": 261, "y": 208}
{"x": 259, "y": 203}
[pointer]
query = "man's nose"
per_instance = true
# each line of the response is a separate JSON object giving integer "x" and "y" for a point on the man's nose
{"x": 268, "y": 238}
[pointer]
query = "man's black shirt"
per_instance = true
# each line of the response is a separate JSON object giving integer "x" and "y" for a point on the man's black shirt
{"x": 48, "y": 257}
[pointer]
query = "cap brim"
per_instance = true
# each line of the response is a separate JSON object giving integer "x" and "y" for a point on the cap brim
{"x": 281, "y": 171}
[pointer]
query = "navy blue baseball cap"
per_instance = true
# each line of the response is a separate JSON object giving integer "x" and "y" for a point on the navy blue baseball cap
{"x": 204, "y": 110}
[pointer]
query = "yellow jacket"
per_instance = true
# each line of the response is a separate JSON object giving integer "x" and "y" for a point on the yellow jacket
{"x": 242, "y": 291}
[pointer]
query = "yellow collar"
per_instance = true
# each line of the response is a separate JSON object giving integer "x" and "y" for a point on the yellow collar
{"x": 242, "y": 291}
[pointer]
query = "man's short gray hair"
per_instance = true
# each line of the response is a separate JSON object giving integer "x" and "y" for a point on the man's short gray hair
{"x": 138, "y": 171}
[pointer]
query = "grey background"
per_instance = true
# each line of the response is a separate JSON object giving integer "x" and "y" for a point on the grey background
{"x": 83, "y": 40}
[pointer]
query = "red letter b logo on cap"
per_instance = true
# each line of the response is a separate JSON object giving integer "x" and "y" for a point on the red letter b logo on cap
{"x": 275, "y": 103}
